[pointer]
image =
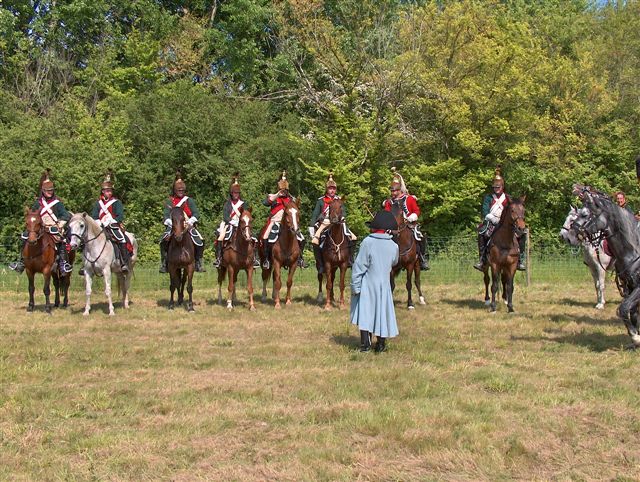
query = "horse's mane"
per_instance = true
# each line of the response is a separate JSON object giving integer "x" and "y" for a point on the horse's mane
{"x": 620, "y": 220}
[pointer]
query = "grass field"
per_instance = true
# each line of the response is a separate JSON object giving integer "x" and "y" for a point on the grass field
{"x": 546, "y": 393}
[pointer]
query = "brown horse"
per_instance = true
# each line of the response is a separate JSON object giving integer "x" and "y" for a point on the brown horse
{"x": 285, "y": 253}
{"x": 237, "y": 255}
{"x": 503, "y": 252}
{"x": 180, "y": 258}
{"x": 409, "y": 259}
{"x": 39, "y": 255}
{"x": 334, "y": 254}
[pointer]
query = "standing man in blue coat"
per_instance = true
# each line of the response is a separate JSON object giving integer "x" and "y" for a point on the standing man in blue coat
{"x": 371, "y": 296}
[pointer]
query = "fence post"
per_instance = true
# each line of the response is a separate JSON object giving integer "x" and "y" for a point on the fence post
{"x": 528, "y": 244}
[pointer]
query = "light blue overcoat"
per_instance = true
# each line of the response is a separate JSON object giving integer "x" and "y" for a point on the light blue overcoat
{"x": 371, "y": 298}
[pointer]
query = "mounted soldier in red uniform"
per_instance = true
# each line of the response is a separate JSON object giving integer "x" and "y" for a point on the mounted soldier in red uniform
{"x": 407, "y": 204}
{"x": 276, "y": 203}
{"x": 191, "y": 214}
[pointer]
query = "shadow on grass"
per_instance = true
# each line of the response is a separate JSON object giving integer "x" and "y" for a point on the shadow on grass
{"x": 596, "y": 342}
{"x": 99, "y": 307}
{"x": 590, "y": 320}
{"x": 468, "y": 303}
{"x": 572, "y": 302}
{"x": 348, "y": 341}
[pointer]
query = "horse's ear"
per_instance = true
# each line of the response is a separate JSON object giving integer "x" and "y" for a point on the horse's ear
{"x": 523, "y": 198}
{"x": 343, "y": 198}
{"x": 249, "y": 209}
{"x": 26, "y": 210}
{"x": 84, "y": 215}
{"x": 298, "y": 201}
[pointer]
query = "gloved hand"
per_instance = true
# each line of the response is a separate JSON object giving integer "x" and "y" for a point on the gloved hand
{"x": 312, "y": 231}
{"x": 492, "y": 218}
{"x": 168, "y": 223}
{"x": 192, "y": 221}
{"x": 412, "y": 218}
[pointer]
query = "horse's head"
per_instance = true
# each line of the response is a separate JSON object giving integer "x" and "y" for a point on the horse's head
{"x": 566, "y": 233}
{"x": 516, "y": 215}
{"x": 592, "y": 218}
{"x": 34, "y": 225}
{"x": 244, "y": 225}
{"x": 336, "y": 211}
{"x": 178, "y": 223}
{"x": 291, "y": 215}
{"x": 77, "y": 229}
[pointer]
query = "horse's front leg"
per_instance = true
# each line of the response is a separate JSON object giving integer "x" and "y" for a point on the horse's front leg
{"x": 47, "y": 290}
{"x": 409, "y": 286}
{"x": 599, "y": 280}
{"x": 266, "y": 274}
{"x": 495, "y": 279}
{"x": 87, "y": 291}
{"x": 66, "y": 282}
{"x": 292, "y": 270}
{"x": 416, "y": 274}
{"x": 221, "y": 274}
{"x": 320, "y": 296}
{"x": 182, "y": 280}
{"x": 510, "y": 285}
{"x": 125, "y": 283}
{"x": 32, "y": 289}
{"x": 329, "y": 291}
{"x": 189, "y": 274}
{"x": 174, "y": 281}
{"x": 252, "y": 306}
{"x": 231, "y": 288}
{"x": 277, "y": 283}
{"x": 343, "y": 272}
{"x": 56, "y": 288}
{"x": 107, "y": 288}
{"x": 487, "y": 280}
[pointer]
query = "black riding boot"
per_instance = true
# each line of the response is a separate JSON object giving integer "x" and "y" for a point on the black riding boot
{"x": 266, "y": 258}
{"x": 482, "y": 248}
{"x": 64, "y": 265}
{"x": 365, "y": 340}
{"x": 18, "y": 266}
{"x": 124, "y": 257}
{"x": 218, "y": 260}
{"x": 163, "y": 256}
{"x": 352, "y": 253}
{"x": 424, "y": 255}
{"x": 522, "y": 245}
{"x": 198, "y": 252}
{"x": 380, "y": 345}
{"x": 301, "y": 262}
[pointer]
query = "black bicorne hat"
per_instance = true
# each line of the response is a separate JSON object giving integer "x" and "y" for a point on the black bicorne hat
{"x": 383, "y": 220}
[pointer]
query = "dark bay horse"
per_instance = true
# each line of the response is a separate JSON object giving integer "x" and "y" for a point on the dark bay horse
{"x": 39, "y": 255}
{"x": 334, "y": 254}
{"x": 409, "y": 259}
{"x": 503, "y": 252}
{"x": 285, "y": 253}
{"x": 237, "y": 255}
{"x": 180, "y": 258}
{"x": 600, "y": 218}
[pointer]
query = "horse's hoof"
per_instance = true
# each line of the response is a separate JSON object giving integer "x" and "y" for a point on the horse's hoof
{"x": 56, "y": 305}
{"x": 422, "y": 301}
{"x": 30, "y": 308}
{"x": 230, "y": 307}
{"x": 252, "y": 308}
{"x": 487, "y": 303}
{"x": 505, "y": 302}
{"x": 341, "y": 306}
{"x": 288, "y": 302}
{"x": 277, "y": 307}
{"x": 191, "y": 310}
{"x": 263, "y": 299}
{"x": 112, "y": 313}
{"x": 86, "y": 313}
{"x": 327, "y": 308}
{"x": 170, "y": 307}
{"x": 47, "y": 310}
{"x": 411, "y": 307}
{"x": 600, "y": 306}
{"x": 319, "y": 299}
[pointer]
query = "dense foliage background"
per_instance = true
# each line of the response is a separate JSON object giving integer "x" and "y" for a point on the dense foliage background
{"x": 443, "y": 90}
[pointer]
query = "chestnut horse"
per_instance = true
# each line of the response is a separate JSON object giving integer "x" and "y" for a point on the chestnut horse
{"x": 284, "y": 254}
{"x": 503, "y": 252}
{"x": 39, "y": 255}
{"x": 408, "y": 259}
{"x": 237, "y": 255}
{"x": 181, "y": 259}
{"x": 334, "y": 254}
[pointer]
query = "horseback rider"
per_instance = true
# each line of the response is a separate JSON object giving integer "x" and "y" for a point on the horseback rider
{"x": 230, "y": 217}
{"x": 621, "y": 200}
{"x": 276, "y": 202}
{"x": 54, "y": 217}
{"x": 492, "y": 207}
{"x": 191, "y": 214}
{"x": 109, "y": 211}
{"x": 408, "y": 204}
{"x": 320, "y": 216}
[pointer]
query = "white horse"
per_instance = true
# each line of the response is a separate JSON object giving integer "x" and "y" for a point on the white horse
{"x": 100, "y": 258}
{"x": 598, "y": 261}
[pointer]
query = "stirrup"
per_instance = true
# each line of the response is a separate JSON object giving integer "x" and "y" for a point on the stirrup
{"x": 17, "y": 266}
{"x": 65, "y": 267}
{"x": 521, "y": 267}
{"x": 266, "y": 264}
{"x": 163, "y": 269}
{"x": 479, "y": 266}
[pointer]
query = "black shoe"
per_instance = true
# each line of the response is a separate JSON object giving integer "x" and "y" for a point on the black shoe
{"x": 365, "y": 341}
{"x": 302, "y": 263}
{"x": 380, "y": 345}
{"x": 17, "y": 266}
{"x": 81, "y": 272}
{"x": 479, "y": 266}
{"x": 163, "y": 268}
{"x": 424, "y": 265}
{"x": 521, "y": 267}
{"x": 199, "y": 267}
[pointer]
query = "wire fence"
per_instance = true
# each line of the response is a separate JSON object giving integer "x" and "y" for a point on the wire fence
{"x": 451, "y": 260}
